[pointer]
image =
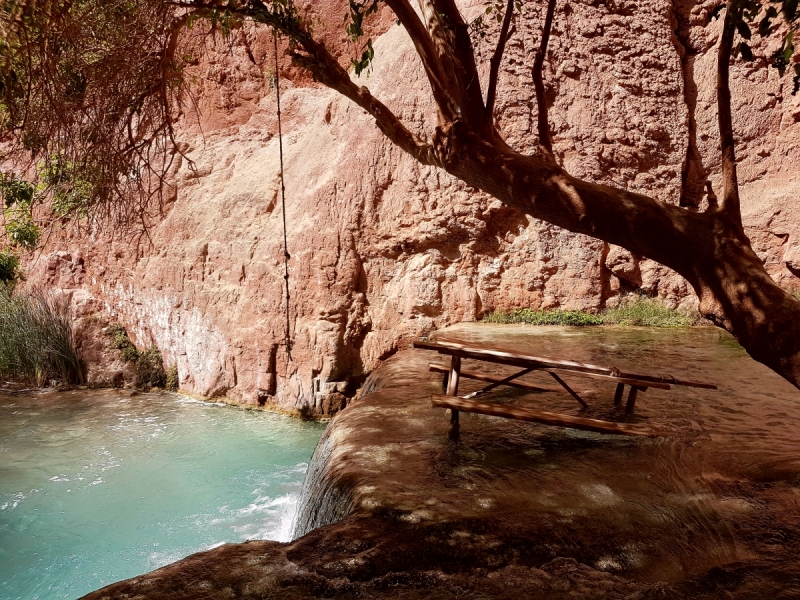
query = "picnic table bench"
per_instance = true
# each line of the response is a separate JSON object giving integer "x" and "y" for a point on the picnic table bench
{"x": 453, "y": 373}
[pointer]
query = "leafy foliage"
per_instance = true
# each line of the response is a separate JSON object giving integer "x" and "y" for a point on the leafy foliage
{"x": 531, "y": 316}
{"x": 647, "y": 312}
{"x": 762, "y": 15}
{"x": 354, "y": 27}
{"x": 91, "y": 82}
{"x": 121, "y": 341}
{"x": 69, "y": 184}
{"x": 9, "y": 269}
{"x": 172, "y": 381}
{"x": 150, "y": 369}
{"x": 18, "y": 198}
{"x": 149, "y": 364}
{"x": 494, "y": 10}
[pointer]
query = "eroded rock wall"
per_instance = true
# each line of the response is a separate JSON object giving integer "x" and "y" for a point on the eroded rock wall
{"x": 383, "y": 249}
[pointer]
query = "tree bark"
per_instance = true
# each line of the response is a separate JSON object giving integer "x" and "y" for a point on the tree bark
{"x": 709, "y": 249}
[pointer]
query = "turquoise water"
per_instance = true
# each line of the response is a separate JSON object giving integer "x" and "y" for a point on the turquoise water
{"x": 97, "y": 486}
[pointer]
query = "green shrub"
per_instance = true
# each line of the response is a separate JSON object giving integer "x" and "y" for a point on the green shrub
{"x": 36, "y": 341}
{"x": 647, "y": 312}
{"x": 150, "y": 369}
{"x": 149, "y": 364}
{"x": 121, "y": 341}
{"x": 173, "y": 382}
{"x": 9, "y": 268}
{"x": 21, "y": 229}
{"x": 531, "y": 316}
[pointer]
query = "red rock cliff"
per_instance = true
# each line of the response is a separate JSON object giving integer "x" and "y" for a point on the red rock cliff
{"x": 383, "y": 249}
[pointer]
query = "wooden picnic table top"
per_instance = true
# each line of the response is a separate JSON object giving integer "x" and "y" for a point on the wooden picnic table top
{"x": 526, "y": 360}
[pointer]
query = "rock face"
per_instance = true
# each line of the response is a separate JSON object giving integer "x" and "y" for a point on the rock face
{"x": 383, "y": 249}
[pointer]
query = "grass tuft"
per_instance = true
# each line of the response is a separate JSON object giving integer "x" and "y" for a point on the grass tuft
{"x": 636, "y": 310}
{"x": 543, "y": 317}
{"x": 647, "y": 312}
{"x": 36, "y": 340}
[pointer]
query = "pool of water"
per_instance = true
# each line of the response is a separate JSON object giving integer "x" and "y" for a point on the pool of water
{"x": 97, "y": 486}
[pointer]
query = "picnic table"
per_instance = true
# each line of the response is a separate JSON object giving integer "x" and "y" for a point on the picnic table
{"x": 452, "y": 374}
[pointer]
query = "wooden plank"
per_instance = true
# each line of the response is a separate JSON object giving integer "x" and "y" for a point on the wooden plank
{"x": 546, "y": 418}
{"x": 632, "y": 399}
{"x": 569, "y": 389}
{"x": 453, "y": 376}
{"x": 623, "y": 380}
{"x": 525, "y": 360}
{"x": 495, "y": 384}
{"x": 618, "y": 394}
{"x": 483, "y": 377}
{"x": 628, "y": 380}
{"x": 501, "y": 357}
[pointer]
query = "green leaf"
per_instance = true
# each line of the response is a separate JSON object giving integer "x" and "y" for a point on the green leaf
{"x": 788, "y": 47}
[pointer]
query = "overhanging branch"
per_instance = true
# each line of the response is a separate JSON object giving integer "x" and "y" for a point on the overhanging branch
{"x": 538, "y": 83}
{"x": 497, "y": 57}
{"x": 428, "y": 55}
{"x": 729, "y": 204}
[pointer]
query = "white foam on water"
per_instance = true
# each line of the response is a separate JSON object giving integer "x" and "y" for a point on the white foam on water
{"x": 188, "y": 400}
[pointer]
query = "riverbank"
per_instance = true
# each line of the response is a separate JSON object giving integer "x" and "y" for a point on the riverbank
{"x": 514, "y": 508}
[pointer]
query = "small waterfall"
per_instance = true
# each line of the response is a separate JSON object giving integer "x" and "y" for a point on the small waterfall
{"x": 323, "y": 501}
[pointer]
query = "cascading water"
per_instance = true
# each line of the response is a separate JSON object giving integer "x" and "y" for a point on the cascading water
{"x": 96, "y": 486}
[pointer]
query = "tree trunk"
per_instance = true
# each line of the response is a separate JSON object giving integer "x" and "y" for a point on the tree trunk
{"x": 709, "y": 249}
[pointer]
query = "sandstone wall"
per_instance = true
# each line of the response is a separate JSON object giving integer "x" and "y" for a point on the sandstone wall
{"x": 383, "y": 249}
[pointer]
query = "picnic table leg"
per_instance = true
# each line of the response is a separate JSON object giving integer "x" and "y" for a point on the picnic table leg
{"x": 618, "y": 394}
{"x": 631, "y": 400}
{"x": 452, "y": 390}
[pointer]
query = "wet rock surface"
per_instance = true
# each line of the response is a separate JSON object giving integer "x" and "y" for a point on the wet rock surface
{"x": 518, "y": 509}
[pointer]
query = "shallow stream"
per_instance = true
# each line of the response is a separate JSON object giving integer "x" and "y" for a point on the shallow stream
{"x": 98, "y": 486}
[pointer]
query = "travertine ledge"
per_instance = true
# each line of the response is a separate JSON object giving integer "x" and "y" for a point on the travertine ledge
{"x": 392, "y": 509}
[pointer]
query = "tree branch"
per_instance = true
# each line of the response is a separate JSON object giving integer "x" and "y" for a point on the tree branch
{"x": 450, "y": 36}
{"x": 428, "y": 54}
{"x": 497, "y": 58}
{"x": 538, "y": 83}
{"x": 327, "y": 70}
{"x": 729, "y": 204}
